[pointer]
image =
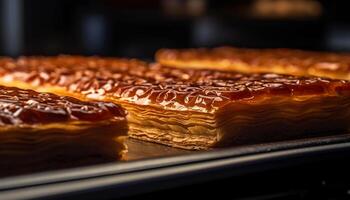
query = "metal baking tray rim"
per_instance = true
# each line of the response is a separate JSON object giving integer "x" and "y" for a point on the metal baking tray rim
{"x": 245, "y": 159}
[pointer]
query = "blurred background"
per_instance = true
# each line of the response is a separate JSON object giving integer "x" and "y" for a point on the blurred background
{"x": 137, "y": 28}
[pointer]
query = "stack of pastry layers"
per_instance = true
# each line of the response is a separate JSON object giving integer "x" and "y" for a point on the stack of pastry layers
{"x": 199, "y": 99}
{"x": 44, "y": 131}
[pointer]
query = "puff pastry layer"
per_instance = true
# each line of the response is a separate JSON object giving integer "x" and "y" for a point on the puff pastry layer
{"x": 41, "y": 131}
{"x": 282, "y": 61}
{"x": 193, "y": 109}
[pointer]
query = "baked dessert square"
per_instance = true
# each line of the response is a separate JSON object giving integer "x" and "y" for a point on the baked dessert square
{"x": 193, "y": 109}
{"x": 43, "y": 131}
{"x": 282, "y": 61}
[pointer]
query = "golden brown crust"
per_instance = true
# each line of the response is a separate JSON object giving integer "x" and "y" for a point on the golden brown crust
{"x": 283, "y": 61}
{"x": 193, "y": 109}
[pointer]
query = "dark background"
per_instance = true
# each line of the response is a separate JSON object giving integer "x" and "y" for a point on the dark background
{"x": 137, "y": 28}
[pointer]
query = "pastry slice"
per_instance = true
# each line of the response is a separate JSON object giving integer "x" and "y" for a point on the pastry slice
{"x": 41, "y": 131}
{"x": 194, "y": 109}
{"x": 283, "y": 61}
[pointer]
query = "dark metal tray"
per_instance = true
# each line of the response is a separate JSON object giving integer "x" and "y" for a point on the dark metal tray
{"x": 176, "y": 168}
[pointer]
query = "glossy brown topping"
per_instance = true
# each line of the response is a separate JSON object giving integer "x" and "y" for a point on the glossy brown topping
{"x": 179, "y": 89}
{"x": 300, "y": 60}
{"x": 19, "y": 106}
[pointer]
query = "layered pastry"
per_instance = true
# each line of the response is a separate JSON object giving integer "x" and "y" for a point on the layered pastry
{"x": 193, "y": 109}
{"x": 41, "y": 131}
{"x": 283, "y": 61}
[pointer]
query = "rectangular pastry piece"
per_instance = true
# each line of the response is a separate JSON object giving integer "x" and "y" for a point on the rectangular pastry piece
{"x": 282, "y": 61}
{"x": 193, "y": 109}
{"x": 42, "y": 131}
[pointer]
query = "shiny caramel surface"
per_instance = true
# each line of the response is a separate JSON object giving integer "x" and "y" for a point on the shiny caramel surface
{"x": 18, "y": 106}
{"x": 294, "y": 61}
{"x": 179, "y": 89}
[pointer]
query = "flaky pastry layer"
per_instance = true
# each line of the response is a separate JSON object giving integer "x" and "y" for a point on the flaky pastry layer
{"x": 34, "y": 148}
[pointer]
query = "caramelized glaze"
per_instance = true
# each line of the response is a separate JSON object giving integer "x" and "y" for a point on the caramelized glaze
{"x": 178, "y": 89}
{"x": 18, "y": 106}
{"x": 286, "y": 61}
